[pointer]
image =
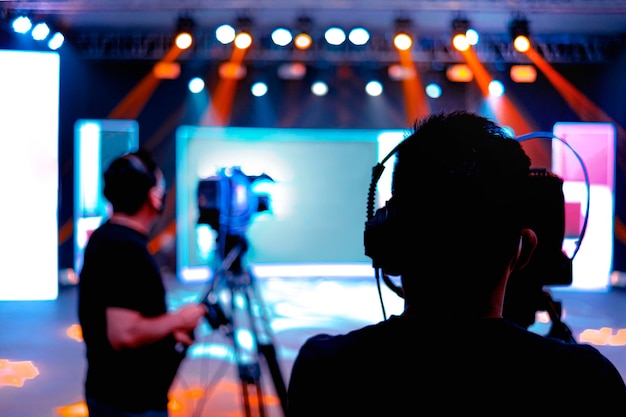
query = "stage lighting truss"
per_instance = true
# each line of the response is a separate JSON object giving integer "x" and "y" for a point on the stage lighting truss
{"x": 302, "y": 42}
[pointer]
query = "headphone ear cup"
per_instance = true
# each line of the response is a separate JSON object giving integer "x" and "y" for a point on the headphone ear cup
{"x": 157, "y": 196}
{"x": 381, "y": 238}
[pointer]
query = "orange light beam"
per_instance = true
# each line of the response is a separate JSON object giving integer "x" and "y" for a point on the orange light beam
{"x": 505, "y": 113}
{"x": 415, "y": 103}
{"x": 220, "y": 108}
{"x": 586, "y": 110}
{"x": 136, "y": 99}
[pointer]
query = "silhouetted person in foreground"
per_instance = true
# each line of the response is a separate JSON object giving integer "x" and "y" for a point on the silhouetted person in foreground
{"x": 453, "y": 231}
{"x": 134, "y": 345}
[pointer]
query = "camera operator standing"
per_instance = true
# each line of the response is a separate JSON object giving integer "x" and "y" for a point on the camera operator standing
{"x": 134, "y": 345}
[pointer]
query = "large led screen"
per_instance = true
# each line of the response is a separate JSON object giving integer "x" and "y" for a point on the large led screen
{"x": 317, "y": 194}
{"x": 29, "y": 118}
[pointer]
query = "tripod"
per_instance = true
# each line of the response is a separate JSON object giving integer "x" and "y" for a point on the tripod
{"x": 244, "y": 320}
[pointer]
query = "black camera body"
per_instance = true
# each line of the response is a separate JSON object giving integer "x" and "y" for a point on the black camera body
{"x": 227, "y": 201}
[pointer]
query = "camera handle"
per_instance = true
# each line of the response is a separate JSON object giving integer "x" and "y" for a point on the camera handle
{"x": 558, "y": 329}
{"x": 246, "y": 324}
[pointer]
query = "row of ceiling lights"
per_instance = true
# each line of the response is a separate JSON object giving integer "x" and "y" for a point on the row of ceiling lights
{"x": 463, "y": 35}
{"x": 40, "y": 31}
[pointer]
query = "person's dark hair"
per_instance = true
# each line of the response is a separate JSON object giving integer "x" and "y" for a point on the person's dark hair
{"x": 128, "y": 180}
{"x": 459, "y": 183}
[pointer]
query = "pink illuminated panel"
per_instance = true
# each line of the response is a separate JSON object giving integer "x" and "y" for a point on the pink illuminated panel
{"x": 595, "y": 144}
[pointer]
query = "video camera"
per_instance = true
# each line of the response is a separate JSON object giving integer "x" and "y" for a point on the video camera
{"x": 549, "y": 265}
{"x": 227, "y": 201}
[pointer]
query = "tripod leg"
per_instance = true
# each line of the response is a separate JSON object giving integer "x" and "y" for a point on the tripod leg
{"x": 246, "y": 398}
{"x": 269, "y": 353}
{"x": 265, "y": 343}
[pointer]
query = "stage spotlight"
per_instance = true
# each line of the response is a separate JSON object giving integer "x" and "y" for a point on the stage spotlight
{"x": 225, "y": 34}
{"x": 259, "y": 89}
{"x": 196, "y": 85}
{"x": 281, "y": 36}
{"x": 374, "y": 88}
{"x": 40, "y": 31}
{"x": 496, "y": 88}
{"x": 335, "y": 36}
{"x": 433, "y": 90}
{"x": 459, "y": 34}
{"x": 520, "y": 34}
{"x": 402, "y": 40}
{"x": 22, "y": 24}
{"x": 243, "y": 39}
{"x": 319, "y": 88}
{"x": 184, "y": 32}
{"x": 56, "y": 41}
{"x": 303, "y": 39}
{"x": 359, "y": 36}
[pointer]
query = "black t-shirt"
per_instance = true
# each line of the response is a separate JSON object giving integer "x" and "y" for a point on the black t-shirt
{"x": 119, "y": 271}
{"x": 407, "y": 366}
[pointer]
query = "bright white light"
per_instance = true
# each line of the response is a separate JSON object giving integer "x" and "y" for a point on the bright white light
{"x": 22, "y": 24}
{"x": 319, "y": 88}
{"x": 56, "y": 41}
{"x": 460, "y": 42}
{"x": 374, "y": 88}
{"x": 496, "y": 88}
{"x": 472, "y": 36}
{"x": 433, "y": 90}
{"x": 40, "y": 31}
{"x": 281, "y": 37}
{"x": 359, "y": 36}
{"x": 184, "y": 40}
{"x": 243, "y": 40}
{"x": 196, "y": 85}
{"x": 335, "y": 36}
{"x": 258, "y": 89}
{"x": 29, "y": 166}
{"x": 225, "y": 34}
{"x": 403, "y": 41}
{"x": 89, "y": 154}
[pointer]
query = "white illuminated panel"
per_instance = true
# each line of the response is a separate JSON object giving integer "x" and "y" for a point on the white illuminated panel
{"x": 29, "y": 118}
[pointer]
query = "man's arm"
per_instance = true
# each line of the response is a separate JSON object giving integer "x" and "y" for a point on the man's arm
{"x": 129, "y": 329}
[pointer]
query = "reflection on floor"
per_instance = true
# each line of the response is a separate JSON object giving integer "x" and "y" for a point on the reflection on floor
{"x": 42, "y": 358}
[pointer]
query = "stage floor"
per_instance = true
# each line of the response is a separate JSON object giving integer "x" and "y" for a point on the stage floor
{"x": 42, "y": 357}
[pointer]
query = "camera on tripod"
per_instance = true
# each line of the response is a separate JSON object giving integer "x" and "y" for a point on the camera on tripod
{"x": 227, "y": 202}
